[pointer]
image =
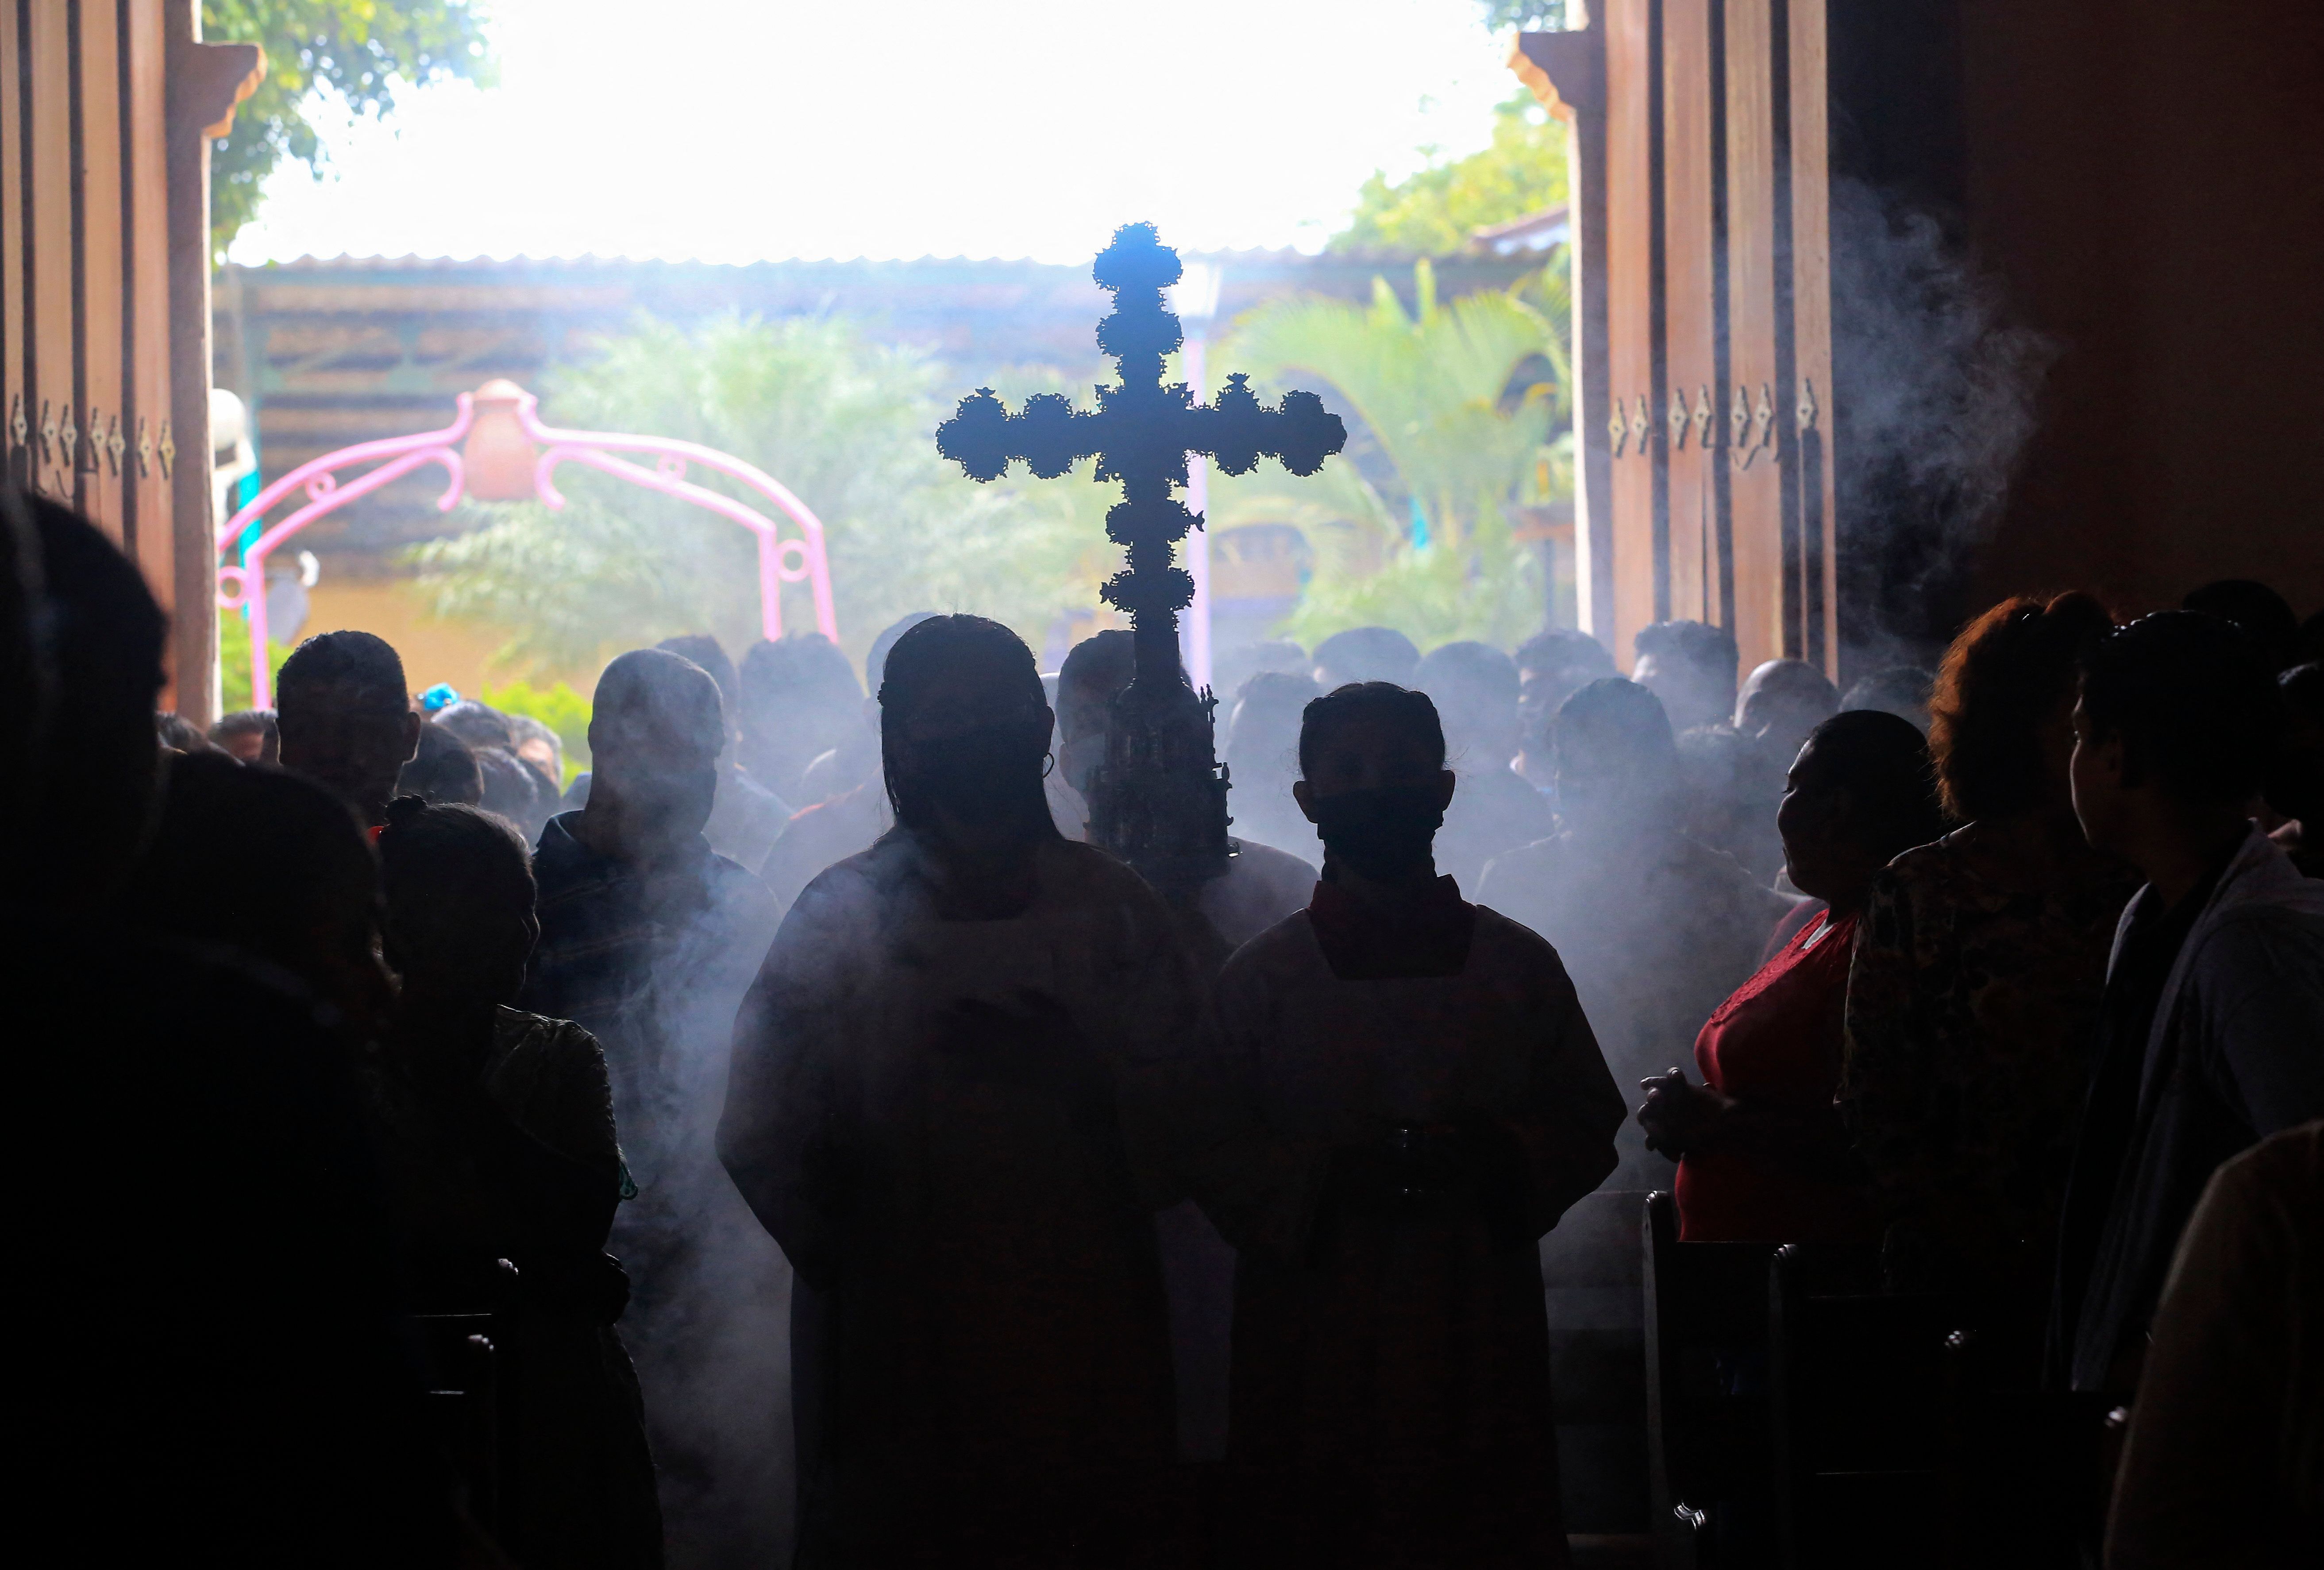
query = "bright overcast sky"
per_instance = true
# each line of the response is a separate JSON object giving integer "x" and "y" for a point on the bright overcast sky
{"x": 735, "y": 130}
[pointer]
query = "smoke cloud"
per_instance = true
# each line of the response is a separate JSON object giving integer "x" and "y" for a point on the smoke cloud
{"x": 1939, "y": 405}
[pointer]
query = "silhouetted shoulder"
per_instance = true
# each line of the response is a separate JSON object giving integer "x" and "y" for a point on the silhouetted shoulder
{"x": 1274, "y": 862}
{"x": 1501, "y": 939}
{"x": 1525, "y": 862}
{"x": 549, "y": 1075}
{"x": 1936, "y": 873}
{"x": 537, "y": 1044}
{"x": 1262, "y": 886}
{"x": 732, "y": 882}
{"x": 1291, "y": 939}
{"x": 850, "y": 883}
{"x": 1074, "y": 873}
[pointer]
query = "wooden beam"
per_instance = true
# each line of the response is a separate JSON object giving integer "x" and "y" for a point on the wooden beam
{"x": 203, "y": 82}
{"x": 1566, "y": 72}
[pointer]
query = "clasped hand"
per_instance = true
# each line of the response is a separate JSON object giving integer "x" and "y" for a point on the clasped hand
{"x": 1679, "y": 1116}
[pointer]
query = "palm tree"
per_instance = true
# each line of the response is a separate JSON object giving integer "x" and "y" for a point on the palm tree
{"x": 1460, "y": 411}
{"x": 841, "y": 420}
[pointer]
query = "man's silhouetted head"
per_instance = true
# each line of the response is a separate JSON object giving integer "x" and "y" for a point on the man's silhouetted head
{"x": 1616, "y": 762}
{"x": 346, "y": 719}
{"x": 656, "y": 729}
{"x": 1372, "y": 781}
{"x": 1362, "y": 654}
{"x": 1094, "y": 673}
{"x": 2176, "y": 722}
{"x": 964, "y": 726}
{"x": 1690, "y": 666}
{"x": 1476, "y": 689}
{"x": 262, "y": 861}
{"x": 1781, "y": 703}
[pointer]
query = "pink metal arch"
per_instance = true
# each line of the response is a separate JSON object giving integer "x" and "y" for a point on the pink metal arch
{"x": 801, "y": 559}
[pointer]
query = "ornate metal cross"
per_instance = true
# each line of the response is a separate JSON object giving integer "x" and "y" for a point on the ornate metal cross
{"x": 1160, "y": 802}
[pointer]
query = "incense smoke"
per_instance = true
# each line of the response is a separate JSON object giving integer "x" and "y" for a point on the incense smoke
{"x": 1937, "y": 415}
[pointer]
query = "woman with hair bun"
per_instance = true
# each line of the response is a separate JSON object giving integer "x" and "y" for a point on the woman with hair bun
{"x": 1979, "y": 961}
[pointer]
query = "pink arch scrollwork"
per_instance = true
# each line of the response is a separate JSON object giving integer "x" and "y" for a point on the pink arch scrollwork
{"x": 800, "y": 558}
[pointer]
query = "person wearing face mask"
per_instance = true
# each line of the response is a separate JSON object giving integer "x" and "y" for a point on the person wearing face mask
{"x": 1428, "y": 1061}
{"x": 648, "y": 939}
{"x": 1655, "y": 929}
{"x": 1762, "y": 1154}
{"x": 963, "y": 1084}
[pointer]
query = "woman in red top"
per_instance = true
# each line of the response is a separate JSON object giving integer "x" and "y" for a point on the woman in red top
{"x": 1762, "y": 1154}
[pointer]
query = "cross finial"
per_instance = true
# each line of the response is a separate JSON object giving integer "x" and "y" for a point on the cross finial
{"x": 1141, "y": 434}
{"x": 1159, "y": 800}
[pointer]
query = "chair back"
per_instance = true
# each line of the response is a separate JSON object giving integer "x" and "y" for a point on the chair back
{"x": 1706, "y": 1412}
{"x": 1597, "y": 1355}
{"x": 1858, "y": 1393}
{"x": 468, "y": 1364}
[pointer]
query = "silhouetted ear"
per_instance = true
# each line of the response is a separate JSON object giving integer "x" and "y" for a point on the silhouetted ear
{"x": 412, "y": 721}
{"x": 1304, "y": 794}
{"x": 1446, "y": 782}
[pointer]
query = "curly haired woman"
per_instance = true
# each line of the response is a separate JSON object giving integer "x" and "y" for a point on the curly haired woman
{"x": 1974, "y": 988}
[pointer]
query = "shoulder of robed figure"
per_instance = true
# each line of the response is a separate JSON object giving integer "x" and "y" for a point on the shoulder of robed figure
{"x": 1274, "y": 860}
{"x": 1521, "y": 866}
{"x": 1075, "y": 872}
{"x": 743, "y": 897}
{"x": 849, "y": 889}
{"x": 1277, "y": 869}
{"x": 1281, "y": 953}
{"x": 1509, "y": 946}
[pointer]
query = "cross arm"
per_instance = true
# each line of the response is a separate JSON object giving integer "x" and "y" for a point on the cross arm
{"x": 1050, "y": 435}
{"x": 1238, "y": 431}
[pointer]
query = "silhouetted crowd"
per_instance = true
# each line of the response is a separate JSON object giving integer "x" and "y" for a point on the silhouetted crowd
{"x": 791, "y": 1129}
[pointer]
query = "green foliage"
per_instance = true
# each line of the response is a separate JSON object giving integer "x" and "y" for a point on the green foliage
{"x": 1462, "y": 410}
{"x": 363, "y": 52}
{"x": 1433, "y": 212}
{"x": 1532, "y": 15}
{"x": 558, "y": 706}
{"x": 233, "y": 661}
{"x": 846, "y": 424}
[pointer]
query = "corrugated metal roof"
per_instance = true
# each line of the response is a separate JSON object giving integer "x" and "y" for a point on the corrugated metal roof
{"x": 1279, "y": 256}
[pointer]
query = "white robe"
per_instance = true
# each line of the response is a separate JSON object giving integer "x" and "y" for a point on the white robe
{"x": 1391, "y": 1378}
{"x": 959, "y": 1131}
